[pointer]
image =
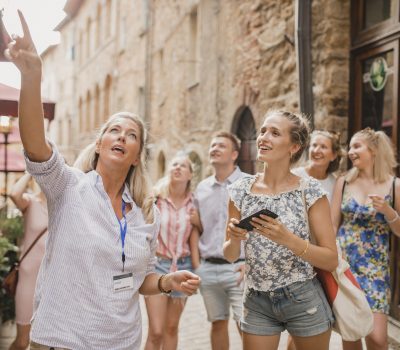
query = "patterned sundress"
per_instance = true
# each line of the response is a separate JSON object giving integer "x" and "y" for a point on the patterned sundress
{"x": 364, "y": 239}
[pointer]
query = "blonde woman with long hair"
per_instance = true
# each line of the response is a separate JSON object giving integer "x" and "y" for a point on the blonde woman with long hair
{"x": 103, "y": 226}
{"x": 174, "y": 199}
{"x": 365, "y": 210}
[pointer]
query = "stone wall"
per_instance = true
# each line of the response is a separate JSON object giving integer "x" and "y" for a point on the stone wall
{"x": 105, "y": 74}
{"x": 246, "y": 58}
{"x": 331, "y": 52}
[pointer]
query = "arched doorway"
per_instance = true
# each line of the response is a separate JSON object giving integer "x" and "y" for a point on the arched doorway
{"x": 245, "y": 128}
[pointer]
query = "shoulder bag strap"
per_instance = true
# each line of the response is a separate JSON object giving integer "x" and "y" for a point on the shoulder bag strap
{"x": 31, "y": 246}
{"x": 343, "y": 188}
{"x": 393, "y": 191}
{"x": 303, "y": 197}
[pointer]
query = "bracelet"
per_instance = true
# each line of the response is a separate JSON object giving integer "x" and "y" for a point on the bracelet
{"x": 394, "y": 219}
{"x": 160, "y": 287}
{"x": 305, "y": 249}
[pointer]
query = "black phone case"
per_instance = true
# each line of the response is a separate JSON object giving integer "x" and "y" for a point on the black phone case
{"x": 245, "y": 223}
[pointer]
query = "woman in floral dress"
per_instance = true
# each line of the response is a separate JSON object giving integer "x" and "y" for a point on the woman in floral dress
{"x": 365, "y": 212}
{"x": 281, "y": 289}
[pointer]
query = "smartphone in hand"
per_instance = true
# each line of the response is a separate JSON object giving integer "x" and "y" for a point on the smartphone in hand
{"x": 245, "y": 223}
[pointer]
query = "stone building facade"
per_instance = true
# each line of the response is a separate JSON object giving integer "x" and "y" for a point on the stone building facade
{"x": 195, "y": 66}
{"x": 190, "y": 68}
{"x": 97, "y": 69}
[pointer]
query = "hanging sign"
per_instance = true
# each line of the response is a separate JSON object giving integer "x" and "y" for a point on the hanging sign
{"x": 377, "y": 75}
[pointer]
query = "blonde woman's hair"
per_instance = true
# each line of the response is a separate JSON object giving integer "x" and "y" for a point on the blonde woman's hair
{"x": 299, "y": 132}
{"x": 137, "y": 178}
{"x": 337, "y": 149}
{"x": 384, "y": 155}
{"x": 162, "y": 187}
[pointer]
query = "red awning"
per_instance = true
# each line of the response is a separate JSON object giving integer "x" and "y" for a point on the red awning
{"x": 9, "y": 97}
{"x": 15, "y": 160}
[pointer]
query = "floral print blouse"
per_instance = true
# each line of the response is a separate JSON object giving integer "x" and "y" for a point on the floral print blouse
{"x": 269, "y": 265}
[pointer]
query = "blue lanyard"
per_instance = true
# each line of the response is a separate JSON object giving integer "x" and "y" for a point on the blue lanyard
{"x": 122, "y": 231}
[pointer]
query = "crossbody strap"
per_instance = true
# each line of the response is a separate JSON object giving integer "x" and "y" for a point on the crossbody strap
{"x": 303, "y": 197}
{"x": 393, "y": 191}
{"x": 32, "y": 245}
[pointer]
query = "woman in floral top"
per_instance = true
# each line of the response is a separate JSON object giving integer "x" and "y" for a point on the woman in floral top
{"x": 281, "y": 289}
{"x": 362, "y": 210}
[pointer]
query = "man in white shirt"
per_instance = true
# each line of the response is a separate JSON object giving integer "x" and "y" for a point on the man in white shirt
{"x": 221, "y": 285}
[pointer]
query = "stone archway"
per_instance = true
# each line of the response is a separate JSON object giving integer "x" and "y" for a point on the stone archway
{"x": 245, "y": 128}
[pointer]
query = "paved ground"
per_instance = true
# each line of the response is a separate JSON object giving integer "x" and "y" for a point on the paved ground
{"x": 194, "y": 329}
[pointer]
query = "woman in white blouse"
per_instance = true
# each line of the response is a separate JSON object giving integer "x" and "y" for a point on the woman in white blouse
{"x": 324, "y": 156}
{"x": 103, "y": 227}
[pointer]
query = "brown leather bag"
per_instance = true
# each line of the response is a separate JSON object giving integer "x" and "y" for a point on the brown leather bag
{"x": 10, "y": 281}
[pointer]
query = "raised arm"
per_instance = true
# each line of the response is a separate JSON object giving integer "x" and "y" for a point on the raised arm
{"x": 18, "y": 190}
{"x": 22, "y": 52}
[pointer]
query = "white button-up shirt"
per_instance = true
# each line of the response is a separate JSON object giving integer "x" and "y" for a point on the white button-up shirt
{"x": 211, "y": 199}
{"x": 75, "y": 305}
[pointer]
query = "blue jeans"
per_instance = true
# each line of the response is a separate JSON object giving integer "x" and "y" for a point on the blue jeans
{"x": 301, "y": 308}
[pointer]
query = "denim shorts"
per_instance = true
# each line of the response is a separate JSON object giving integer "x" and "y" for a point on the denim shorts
{"x": 301, "y": 308}
{"x": 163, "y": 266}
{"x": 220, "y": 290}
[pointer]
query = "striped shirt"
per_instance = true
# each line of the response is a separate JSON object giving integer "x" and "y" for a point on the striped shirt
{"x": 175, "y": 229}
{"x": 211, "y": 199}
{"x": 75, "y": 306}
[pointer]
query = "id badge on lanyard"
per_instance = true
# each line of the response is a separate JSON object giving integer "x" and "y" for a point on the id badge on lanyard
{"x": 125, "y": 280}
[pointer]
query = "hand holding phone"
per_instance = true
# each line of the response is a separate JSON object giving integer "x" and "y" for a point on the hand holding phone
{"x": 245, "y": 223}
